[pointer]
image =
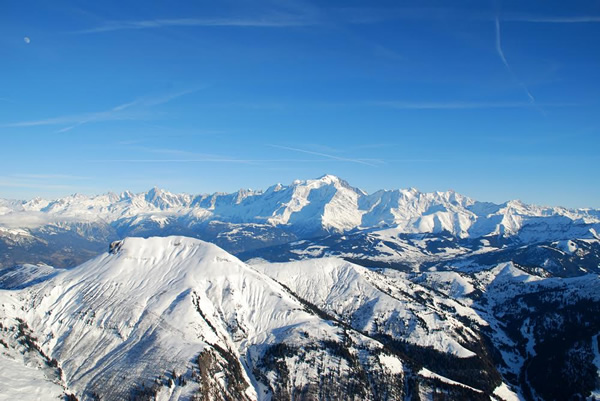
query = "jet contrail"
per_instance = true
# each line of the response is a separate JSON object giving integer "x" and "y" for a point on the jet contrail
{"x": 505, "y": 62}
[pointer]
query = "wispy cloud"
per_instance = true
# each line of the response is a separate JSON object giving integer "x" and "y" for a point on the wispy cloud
{"x": 16, "y": 183}
{"x": 499, "y": 46}
{"x": 109, "y": 115}
{"x": 452, "y": 105}
{"x": 500, "y": 52}
{"x": 372, "y": 146}
{"x": 43, "y": 181}
{"x": 184, "y": 156}
{"x": 50, "y": 176}
{"x": 373, "y": 15}
{"x": 231, "y": 160}
{"x": 130, "y": 142}
{"x": 192, "y": 160}
{"x": 273, "y": 21}
{"x": 119, "y": 112}
{"x": 419, "y": 160}
{"x": 368, "y": 162}
{"x": 552, "y": 20}
{"x": 248, "y": 105}
{"x": 161, "y": 99}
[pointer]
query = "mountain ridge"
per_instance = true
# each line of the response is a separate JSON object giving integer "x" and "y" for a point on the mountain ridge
{"x": 338, "y": 206}
{"x": 155, "y": 194}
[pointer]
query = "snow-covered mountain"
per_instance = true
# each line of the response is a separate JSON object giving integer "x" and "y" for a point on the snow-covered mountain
{"x": 178, "y": 318}
{"x": 376, "y": 304}
{"x": 175, "y": 318}
{"x": 326, "y": 204}
{"x": 249, "y": 220}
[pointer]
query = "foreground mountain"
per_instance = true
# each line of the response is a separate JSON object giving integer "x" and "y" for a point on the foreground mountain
{"x": 178, "y": 318}
{"x": 68, "y": 231}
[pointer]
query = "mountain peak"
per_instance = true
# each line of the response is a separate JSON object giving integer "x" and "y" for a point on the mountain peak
{"x": 165, "y": 199}
{"x": 154, "y": 191}
{"x": 326, "y": 179}
{"x": 274, "y": 188}
{"x": 157, "y": 247}
{"x": 329, "y": 178}
{"x": 126, "y": 195}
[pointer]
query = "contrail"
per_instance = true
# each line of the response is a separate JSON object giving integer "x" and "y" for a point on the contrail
{"x": 510, "y": 71}
{"x": 359, "y": 161}
{"x": 499, "y": 46}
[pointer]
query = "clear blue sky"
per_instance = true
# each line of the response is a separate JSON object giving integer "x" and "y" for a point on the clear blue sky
{"x": 496, "y": 100}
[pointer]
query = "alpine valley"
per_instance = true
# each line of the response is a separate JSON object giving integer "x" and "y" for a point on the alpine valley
{"x": 311, "y": 291}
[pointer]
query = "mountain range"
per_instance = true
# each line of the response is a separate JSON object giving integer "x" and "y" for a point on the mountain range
{"x": 245, "y": 221}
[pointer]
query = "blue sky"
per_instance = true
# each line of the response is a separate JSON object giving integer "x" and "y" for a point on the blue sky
{"x": 496, "y": 100}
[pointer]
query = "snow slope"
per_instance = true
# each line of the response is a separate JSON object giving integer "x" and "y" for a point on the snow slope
{"x": 374, "y": 303}
{"x": 154, "y": 306}
{"x": 27, "y": 383}
{"x": 24, "y": 371}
